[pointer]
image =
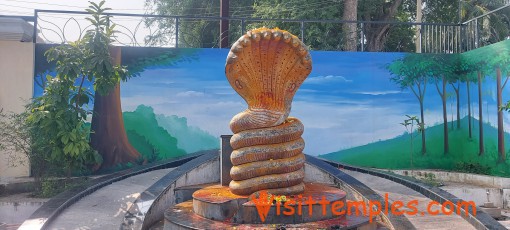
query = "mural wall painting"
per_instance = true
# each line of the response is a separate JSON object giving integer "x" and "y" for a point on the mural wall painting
{"x": 358, "y": 108}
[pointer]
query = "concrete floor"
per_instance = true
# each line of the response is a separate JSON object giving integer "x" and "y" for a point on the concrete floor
{"x": 14, "y": 209}
{"x": 399, "y": 192}
{"x": 105, "y": 208}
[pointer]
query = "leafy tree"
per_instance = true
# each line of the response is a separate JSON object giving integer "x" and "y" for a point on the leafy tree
{"x": 194, "y": 33}
{"x": 401, "y": 38}
{"x": 493, "y": 28}
{"x": 323, "y": 36}
{"x": 87, "y": 59}
{"x": 499, "y": 61}
{"x": 18, "y": 136}
{"x": 477, "y": 60}
{"x": 494, "y": 61}
{"x": 377, "y": 34}
{"x": 320, "y": 36}
{"x": 328, "y": 36}
{"x": 350, "y": 13}
{"x": 411, "y": 71}
{"x": 102, "y": 67}
{"x": 480, "y": 113}
{"x": 459, "y": 69}
{"x": 441, "y": 72}
{"x": 65, "y": 139}
{"x": 463, "y": 71}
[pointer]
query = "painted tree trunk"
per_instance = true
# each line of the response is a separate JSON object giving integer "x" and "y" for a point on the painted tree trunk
{"x": 108, "y": 135}
{"x": 480, "y": 113}
{"x": 445, "y": 118}
{"x": 423, "y": 145}
{"x": 350, "y": 30}
{"x": 469, "y": 109}
{"x": 501, "y": 131}
{"x": 458, "y": 106}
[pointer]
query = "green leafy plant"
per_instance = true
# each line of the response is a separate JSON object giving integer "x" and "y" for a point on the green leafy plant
{"x": 469, "y": 167}
{"x": 53, "y": 186}
{"x": 409, "y": 124}
{"x": 60, "y": 113}
{"x": 430, "y": 179}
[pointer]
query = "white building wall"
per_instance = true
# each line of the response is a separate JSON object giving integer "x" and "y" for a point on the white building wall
{"x": 16, "y": 84}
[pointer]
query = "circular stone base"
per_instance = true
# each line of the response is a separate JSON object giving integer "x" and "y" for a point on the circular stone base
{"x": 215, "y": 207}
{"x": 315, "y": 204}
{"x": 182, "y": 217}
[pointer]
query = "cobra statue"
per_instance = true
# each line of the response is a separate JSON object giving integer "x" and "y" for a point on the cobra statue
{"x": 266, "y": 67}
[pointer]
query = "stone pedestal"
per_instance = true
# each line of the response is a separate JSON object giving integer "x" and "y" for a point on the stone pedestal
{"x": 491, "y": 209}
{"x": 225, "y": 163}
{"x": 215, "y": 207}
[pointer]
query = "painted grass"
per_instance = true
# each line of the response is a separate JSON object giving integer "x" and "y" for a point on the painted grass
{"x": 395, "y": 153}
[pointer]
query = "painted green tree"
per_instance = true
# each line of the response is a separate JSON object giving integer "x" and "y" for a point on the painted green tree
{"x": 464, "y": 72}
{"x": 492, "y": 61}
{"x": 479, "y": 79}
{"x": 411, "y": 71}
{"x": 454, "y": 81}
{"x": 499, "y": 62}
{"x": 441, "y": 72}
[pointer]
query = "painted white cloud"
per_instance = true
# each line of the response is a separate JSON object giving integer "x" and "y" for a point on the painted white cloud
{"x": 308, "y": 91}
{"x": 190, "y": 93}
{"x": 377, "y": 93}
{"x": 326, "y": 79}
{"x": 130, "y": 103}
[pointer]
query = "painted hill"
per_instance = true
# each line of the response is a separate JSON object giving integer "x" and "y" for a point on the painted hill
{"x": 395, "y": 153}
{"x": 151, "y": 140}
{"x": 190, "y": 138}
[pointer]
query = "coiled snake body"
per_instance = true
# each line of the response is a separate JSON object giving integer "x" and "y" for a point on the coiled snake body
{"x": 266, "y": 67}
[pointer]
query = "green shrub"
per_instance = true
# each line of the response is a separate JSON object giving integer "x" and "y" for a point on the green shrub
{"x": 468, "y": 167}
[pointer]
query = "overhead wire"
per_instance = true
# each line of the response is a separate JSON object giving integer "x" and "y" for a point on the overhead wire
{"x": 247, "y": 10}
{"x": 54, "y": 4}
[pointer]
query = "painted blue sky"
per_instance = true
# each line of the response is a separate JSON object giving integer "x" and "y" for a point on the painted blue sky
{"x": 347, "y": 100}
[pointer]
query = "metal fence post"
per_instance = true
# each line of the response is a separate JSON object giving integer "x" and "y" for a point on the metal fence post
{"x": 34, "y": 36}
{"x": 303, "y": 31}
{"x": 176, "y": 32}
{"x": 420, "y": 38}
{"x": 242, "y": 27}
{"x": 362, "y": 38}
{"x": 476, "y": 34}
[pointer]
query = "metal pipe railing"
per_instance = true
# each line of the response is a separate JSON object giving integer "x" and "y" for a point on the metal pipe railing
{"x": 432, "y": 37}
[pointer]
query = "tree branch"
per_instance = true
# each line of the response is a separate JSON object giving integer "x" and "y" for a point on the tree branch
{"x": 414, "y": 92}
{"x": 393, "y": 10}
{"x": 504, "y": 84}
{"x": 438, "y": 90}
{"x": 79, "y": 92}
